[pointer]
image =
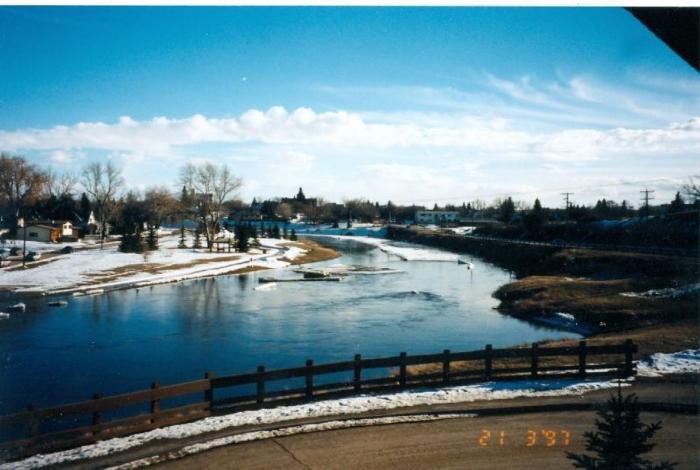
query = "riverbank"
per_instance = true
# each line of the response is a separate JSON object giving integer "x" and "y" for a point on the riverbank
{"x": 612, "y": 296}
{"x": 87, "y": 272}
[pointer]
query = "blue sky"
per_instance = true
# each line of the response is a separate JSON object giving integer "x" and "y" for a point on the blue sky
{"x": 411, "y": 104}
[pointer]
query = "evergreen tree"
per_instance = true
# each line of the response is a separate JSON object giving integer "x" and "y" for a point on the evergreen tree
{"x": 131, "y": 243}
{"x": 242, "y": 233}
{"x": 293, "y": 235}
{"x": 197, "y": 239}
{"x": 285, "y": 233}
{"x": 620, "y": 440}
{"x": 181, "y": 243}
{"x": 85, "y": 206}
{"x": 506, "y": 210}
{"x": 275, "y": 232}
{"x": 152, "y": 238}
{"x": 678, "y": 204}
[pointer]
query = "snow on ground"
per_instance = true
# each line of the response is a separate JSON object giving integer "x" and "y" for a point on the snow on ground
{"x": 65, "y": 272}
{"x": 351, "y": 405}
{"x": 669, "y": 293}
{"x": 656, "y": 364}
{"x": 281, "y": 432}
{"x": 406, "y": 253}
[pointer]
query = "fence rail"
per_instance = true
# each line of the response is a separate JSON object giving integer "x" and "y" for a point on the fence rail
{"x": 527, "y": 364}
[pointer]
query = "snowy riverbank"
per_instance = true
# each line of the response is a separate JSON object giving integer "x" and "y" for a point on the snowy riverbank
{"x": 98, "y": 270}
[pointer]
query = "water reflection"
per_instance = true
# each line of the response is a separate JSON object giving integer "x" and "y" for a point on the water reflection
{"x": 123, "y": 340}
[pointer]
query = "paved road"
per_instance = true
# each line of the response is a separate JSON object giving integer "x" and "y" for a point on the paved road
{"x": 448, "y": 443}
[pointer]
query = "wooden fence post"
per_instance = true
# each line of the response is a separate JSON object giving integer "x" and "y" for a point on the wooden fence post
{"x": 357, "y": 379}
{"x": 96, "y": 415}
{"x": 309, "y": 379}
{"x": 488, "y": 362}
{"x": 261, "y": 385}
{"x": 155, "y": 403}
{"x": 629, "y": 350}
{"x": 446, "y": 366}
{"x": 534, "y": 364}
{"x": 209, "y": 393}
{"x": 582, "y": 358}
{"x": 402, "y": 369}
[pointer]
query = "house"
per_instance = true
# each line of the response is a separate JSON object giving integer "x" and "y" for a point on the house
{"x": 436, "y": 217}
{"x": 41, "y": 233}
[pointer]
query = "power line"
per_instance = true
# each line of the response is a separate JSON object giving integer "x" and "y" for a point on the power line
{"x": 646, "y": 196}
{"x": 548, "y": 191}
{"x": 566, "y": 199}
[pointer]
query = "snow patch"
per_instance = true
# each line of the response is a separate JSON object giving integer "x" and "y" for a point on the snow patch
{"x": 658, "y": 364}
{"x": 350, "y": 405}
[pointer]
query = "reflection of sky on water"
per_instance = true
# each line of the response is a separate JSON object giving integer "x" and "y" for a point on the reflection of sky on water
{"x": 123, "y": 340}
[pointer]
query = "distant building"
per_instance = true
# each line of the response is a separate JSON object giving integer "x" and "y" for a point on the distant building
{"x": 436, "y": 217}
{"x": 300, "y": 200}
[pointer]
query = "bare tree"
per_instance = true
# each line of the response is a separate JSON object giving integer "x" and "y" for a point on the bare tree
{"x": 212, "y": 185}
{"x": 102, "y": 182}
{"x": 60, "y": 185}
{"x": 161, "y": 205}
{"x": 20, "y": 185}
{"x": 692, "y": 188}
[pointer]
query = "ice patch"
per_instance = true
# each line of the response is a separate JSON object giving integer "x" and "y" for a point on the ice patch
{"x": 658, "y": 364}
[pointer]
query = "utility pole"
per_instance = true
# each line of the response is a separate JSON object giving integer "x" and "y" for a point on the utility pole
{"x": 566, "y": 203}
{"x": 646, "y": 198}
{"x": 566, "y": 199}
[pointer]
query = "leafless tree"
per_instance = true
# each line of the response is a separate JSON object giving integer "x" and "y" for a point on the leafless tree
{"x": 60, "y": 185}
{"x": 692, "y": 187}
{"x": 161, "y": 205}
{"x": 102, "y": 182}
{"x": 212, "y": 186}
{"x": 20, "y": 185}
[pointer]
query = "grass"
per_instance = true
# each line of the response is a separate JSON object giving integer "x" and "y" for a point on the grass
{"x": 314, "y": 252}
{"x": 667, "y": 338}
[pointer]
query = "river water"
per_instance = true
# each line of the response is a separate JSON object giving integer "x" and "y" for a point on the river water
{"x": 122, "y": 341}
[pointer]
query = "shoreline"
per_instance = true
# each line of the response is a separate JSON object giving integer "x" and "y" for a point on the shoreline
{"x": 276, "y": 254}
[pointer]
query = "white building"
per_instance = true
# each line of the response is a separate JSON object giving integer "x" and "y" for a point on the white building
{"x": 436, "y": 217}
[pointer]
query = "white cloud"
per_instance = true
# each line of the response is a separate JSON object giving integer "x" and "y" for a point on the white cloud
{"x": 162, "y": 136}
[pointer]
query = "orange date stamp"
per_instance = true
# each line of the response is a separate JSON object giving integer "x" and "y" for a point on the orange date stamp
{"x": 530, "y": 438}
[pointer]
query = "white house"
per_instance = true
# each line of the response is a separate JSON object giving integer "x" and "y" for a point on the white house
{"x": 436, "y": 217}
{"x": 41, "y": 233}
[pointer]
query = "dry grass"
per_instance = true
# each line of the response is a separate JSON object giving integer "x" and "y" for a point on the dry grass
{"x": 592, "y": 300}
{"x": 314, "y": 252}
{"x": 659, "y": 338}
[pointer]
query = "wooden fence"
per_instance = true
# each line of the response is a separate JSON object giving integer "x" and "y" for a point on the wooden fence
{"x": 481, "y": 365}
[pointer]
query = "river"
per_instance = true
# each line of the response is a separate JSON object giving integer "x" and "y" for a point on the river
{"x": 123, "y": 340}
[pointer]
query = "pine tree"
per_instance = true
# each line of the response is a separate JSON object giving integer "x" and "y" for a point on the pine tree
{"x": 181, "y": 243}
{"x": 293, "y": 235}
{"x": 620, "y": 440}
{"x": 131, "y": 243}
{"x": 197, "y": 239}
{"x": 242, "y": 233}
{"x": 506, "y": 210}
{"x": 152, "y": 238}
{"x": 677, "y": 204}
{"x": 285, "y": 232}
{"x": 275, "y": 232}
